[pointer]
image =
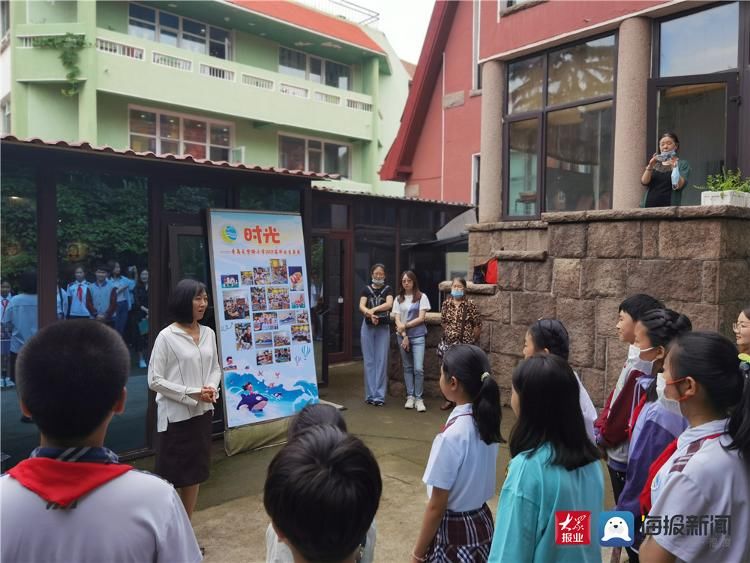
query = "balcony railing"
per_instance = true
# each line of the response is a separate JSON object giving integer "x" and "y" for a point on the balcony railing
{"x": 171, "y": 61}
{"x": 217, "y": 72}
{"x": 113, "y": 48}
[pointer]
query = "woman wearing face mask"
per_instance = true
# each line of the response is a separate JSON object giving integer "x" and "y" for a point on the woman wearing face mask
{"x": 654, "y": 423}
{"x": 375, "y": 303}
{"x": 705, "y": 472}
{"x": 460, "y": 320}
{"x": 665, "y": 175}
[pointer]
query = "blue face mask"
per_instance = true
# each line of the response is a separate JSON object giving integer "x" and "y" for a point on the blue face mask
{"x": 457, "y": 293}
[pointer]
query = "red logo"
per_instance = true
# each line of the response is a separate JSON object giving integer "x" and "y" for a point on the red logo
{"x": 572, "y": 527}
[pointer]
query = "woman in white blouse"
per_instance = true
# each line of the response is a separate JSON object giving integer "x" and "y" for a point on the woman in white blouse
{"x": 184, "y": 372}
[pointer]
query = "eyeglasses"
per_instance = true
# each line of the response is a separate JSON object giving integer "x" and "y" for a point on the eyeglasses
{"x": 736, "y": 327}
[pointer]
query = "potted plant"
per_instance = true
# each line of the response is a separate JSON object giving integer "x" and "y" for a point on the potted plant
{"x": 727, "y": 188}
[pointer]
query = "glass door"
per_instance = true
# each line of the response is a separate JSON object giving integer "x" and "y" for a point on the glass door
{"x": 703, "y": 112}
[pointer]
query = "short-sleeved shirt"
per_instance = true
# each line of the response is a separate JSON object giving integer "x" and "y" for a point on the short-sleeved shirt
{"x": 402, "y": 309}
{"x": 452, "y": 318}
{"x": 460, "y": 462}
{"x": 533, "y": 491}
{"x": 704, "y": 479}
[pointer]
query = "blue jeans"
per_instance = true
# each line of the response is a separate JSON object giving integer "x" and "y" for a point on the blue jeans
{"x": 375, "y": 342}
{"x": 121, "y": 317}
{"x": 413, "y": 362}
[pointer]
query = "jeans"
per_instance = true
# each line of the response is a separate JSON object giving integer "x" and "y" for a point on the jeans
{"x": 413, "y": 362}
{"x": 121, "y": 317}
{"x": 375, "y": 342}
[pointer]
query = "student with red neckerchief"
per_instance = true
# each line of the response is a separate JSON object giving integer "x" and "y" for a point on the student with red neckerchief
{"x": 707, "y": 473}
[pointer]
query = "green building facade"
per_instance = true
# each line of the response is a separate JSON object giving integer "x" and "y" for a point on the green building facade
{"x": 213, "y": 79}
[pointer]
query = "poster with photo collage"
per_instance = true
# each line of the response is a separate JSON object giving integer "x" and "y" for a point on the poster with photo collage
{"x": 262, "y": 315}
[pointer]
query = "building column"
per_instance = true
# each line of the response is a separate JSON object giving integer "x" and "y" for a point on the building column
{"x": 491, "y": 142}
{"x": 631, "y": 132}
{"x": 87, "y": 98}
{"x": 371, "y": 150}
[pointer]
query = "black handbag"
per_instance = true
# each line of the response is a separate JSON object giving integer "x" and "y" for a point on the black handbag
{"x": 384, "y": 317}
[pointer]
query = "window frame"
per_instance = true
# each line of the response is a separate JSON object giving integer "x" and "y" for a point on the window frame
{"x": 323, "y": 62}
{"x": 541, "y": 114}
{"x": 181, "y": 140}
{"x": 229, "y": 45}
{"x": 323, "y": 142}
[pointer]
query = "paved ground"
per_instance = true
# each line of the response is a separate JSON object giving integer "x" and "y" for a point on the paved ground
{"x": 230, "y": 520}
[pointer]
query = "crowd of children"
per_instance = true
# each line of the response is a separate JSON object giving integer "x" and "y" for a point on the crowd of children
{"x": 675, "y": 432}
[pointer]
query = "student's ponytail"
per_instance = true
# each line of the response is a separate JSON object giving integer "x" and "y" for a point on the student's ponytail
{"x": 739, "y": 421}
{"x": 471, "y": 367}
{"x": 712, "y": 360}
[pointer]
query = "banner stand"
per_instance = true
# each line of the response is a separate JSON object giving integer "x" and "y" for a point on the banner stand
{"x": 262, "y": 313}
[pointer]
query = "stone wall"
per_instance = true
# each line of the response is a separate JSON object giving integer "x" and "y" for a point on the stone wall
{"x": 579, "y": 266}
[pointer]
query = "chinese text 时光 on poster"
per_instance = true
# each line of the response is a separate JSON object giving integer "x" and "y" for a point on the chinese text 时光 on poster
{"x": 262, "y": 315}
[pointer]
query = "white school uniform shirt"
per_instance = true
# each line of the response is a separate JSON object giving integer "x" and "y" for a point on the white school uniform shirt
{"x": 462, "y": 463}
{"x": 706, "y": 481}
{"x": 134, "y": 518}
{"x": 179, "y": 368}
{"x": 587, "y": 409}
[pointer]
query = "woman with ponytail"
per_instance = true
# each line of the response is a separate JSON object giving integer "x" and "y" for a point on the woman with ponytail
{"x": 655, "y": 421}
{"x": 460, "y": 473}
{"x": 707, "y": 474}
{"x": 554, "y": 468}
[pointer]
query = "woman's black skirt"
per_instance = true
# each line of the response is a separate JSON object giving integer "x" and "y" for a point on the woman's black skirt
{"x": 183, "y": 454}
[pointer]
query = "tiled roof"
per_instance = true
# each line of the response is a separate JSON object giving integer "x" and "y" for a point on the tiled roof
{"x": 396, "y": 197}
{"x": 313, "y": 20}
{"x": 88, "y": 147}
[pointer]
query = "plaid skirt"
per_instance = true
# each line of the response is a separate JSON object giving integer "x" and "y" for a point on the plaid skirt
{"x": 463, "y": 537}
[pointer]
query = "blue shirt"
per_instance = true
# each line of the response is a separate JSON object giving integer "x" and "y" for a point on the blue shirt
{"x": 102, "y": 294}
{"x": 533, "y": 491}
{"x": 21, "y": 318}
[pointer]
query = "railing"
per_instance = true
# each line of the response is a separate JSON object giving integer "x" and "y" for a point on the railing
{"x": 27, "y": 41}
{"x": 217, "y": 72}
{"x": 121, "y": 49}
{"x": 296, "y": 91}
{"x": 356, "y": 104}
{"x": 327, "y": 98}
{"x": 256, "y": 82}
{"x": 171, "y": 61}
{"x": 221, "y": 73}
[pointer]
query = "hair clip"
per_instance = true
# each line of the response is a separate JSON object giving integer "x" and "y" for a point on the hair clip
{"x": 485, "y": 375}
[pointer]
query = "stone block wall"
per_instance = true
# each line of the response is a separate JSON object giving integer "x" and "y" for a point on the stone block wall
{"x": 579, "y": 266}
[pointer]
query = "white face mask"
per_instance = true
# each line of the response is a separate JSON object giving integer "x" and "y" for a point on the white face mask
{"x": 669, "y": 404}
{"x": 644, "y": 366}
{"x": 633, "y": 352}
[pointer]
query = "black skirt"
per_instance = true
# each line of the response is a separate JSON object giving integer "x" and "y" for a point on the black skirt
{"x": 183, "y": 453}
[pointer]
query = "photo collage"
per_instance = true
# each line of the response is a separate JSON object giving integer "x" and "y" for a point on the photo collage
{"x": 268, "y": 304}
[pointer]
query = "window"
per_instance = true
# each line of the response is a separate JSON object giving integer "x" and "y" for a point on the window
{"x": 559, "y": 124}
{"x": 296, "y": 153}
{"x": 177, "y": 31}
{"x": 4, "y": 17}
{"x": 714, "y": 39}
{"x": 315, "y": 69}
{"x": 695, "y": 90}
{"x": 163, "y": 133}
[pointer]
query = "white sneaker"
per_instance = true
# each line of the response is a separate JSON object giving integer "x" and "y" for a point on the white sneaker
{"x": 409, "y": 403}
{"x": 142, "y": 364}
{"x": 9, "y": 382}
{"x": 420, "y": 406}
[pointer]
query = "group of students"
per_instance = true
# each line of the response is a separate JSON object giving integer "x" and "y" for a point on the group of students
{"x": 675, "y": 431}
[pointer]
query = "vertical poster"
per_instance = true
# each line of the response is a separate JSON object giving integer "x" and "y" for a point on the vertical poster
{"x": 262, "y": 315}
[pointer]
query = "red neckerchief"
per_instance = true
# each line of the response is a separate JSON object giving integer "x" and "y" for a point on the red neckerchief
{"x": 636, "y": 412}
{"x": 645, "y": 496}
{"x": 63, "y": 482}
{"x": 453, "y": 420}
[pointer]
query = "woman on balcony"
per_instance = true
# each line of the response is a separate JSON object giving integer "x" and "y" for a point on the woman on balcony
{"x": 666, "y": 175}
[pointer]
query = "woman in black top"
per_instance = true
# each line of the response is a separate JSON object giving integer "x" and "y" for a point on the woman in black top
{"x": 375, "y": 303}
{"x": 664, "y": 187}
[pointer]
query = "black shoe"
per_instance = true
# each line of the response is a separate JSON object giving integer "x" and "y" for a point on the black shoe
{"x": 378, "y": 403}
{"x": 26, "y": 419}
